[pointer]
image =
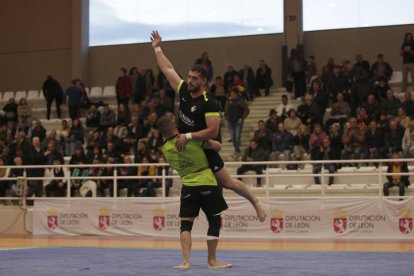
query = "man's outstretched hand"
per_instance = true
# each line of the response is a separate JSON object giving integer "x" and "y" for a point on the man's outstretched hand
{"x": 155, "y": 39}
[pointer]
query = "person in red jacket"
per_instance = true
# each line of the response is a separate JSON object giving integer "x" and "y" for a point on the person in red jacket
{"x": 123, "y": 88}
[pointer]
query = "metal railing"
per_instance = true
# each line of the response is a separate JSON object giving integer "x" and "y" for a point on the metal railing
{"x": 267, "y": 175}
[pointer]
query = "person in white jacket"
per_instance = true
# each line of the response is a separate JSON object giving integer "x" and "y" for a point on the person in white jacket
{"x": 408, "y": 141}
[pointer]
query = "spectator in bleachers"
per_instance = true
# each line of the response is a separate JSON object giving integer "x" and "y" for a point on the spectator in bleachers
{"x": 52, "y": 91}
{"x": 361, "y": 85}
{"x": 316, "y": 138}
{"x": 390, "y": 104}
{"x": 402, "y": 118}
{"x": 400, "y": 181}
{"x": 145, "y": 185}
{"x": 155, "y": 140}
{"x": 301, "y": 143}
{"x": 380, "y": 89}
{"x": 362, "y": 118}
{"x": 76, "y": 184}
{"x": 163, "y": 84}
{"x": 228, "y": 77}
{"x": 263, "y": 137}
{"x": 79, "y": 156}
{"x": 108, "y": 118}
{"x": 408, "y": 141}
{"x": 323, "y": 152}
{"x": 129, "y": 184}
{"x": 312, "y": 69}
{"x": 123, "y": 118}
{"x": 240, "y": 86}
{"x": 296, "y": 68}
{"x": 217, "y": 89}
{"x": 64, "y": 134}
{"x": 328, "y": 69}
{"x": 57, "y": 187}
{"x": 273, "y": 121}
{"x": 253, "y": 153}
{"x": 319, "y": 95}
{"x": 336, "y": 83}
{"x": 4, "y": 184}
{"x": 75, "y": 138}
{"x": 282, "y": 144}
{"x": 52, "y": 136}
{"x": 165, "y": 103}
{"x": 134, "y": 129}
{"x": 111, "y": 152}
{"x": 123, "y": 88}
{"x": 93, "y": 117}
{"x": 15, "y": 173}
{"x": 52, "y": 153}
{"x": 381, "y": 69}
{"x": 34, "y": 156}
{"x": 109, "y": 136}
{"x": 133, "y": 76}
{"x": 11, "y": 128}
{"x": 206, "y": 62}
{"x": 339, "y": 112}
{"x": 141, "y": 151}
{"x": 353, "y": 140}
{"x": 407, "y": 52}
{"x": 23, "y": 126}
{"x": 140, "y": 86}
{"x": 10, "y": 110}
{"x": 74, "y": 98}
{"x": 93, "y": 153}
{"x": 7, "y": 156}
{"x": 283, "y": 108}
{"x": 168, "y": 172}
{"x": 247, "y": 75}
{"x": 335, "y": 138}
{"x": 235, "y": 112}
{"x": 38, "y": 130}
{"x": 393, "y": 138}
{"x": 24, "y": 110}
{"x": 292, "y": 122}
{"x": 310, "y": 112}
{"x": 373, "y": 108}
{"x": 264, "y": 77}
{"x": 408, "y": 104}
{"x": 374, "y": 140}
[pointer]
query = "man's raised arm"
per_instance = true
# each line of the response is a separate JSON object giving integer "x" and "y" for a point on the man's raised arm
{"x": 163, "y": 62}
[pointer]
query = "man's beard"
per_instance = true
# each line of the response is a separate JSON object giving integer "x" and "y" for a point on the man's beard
{"x": 193, "y": 89}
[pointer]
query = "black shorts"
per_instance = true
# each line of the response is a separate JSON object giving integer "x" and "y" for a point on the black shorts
{"x": 207, "y": 198}
{"x": 214, "y": 160}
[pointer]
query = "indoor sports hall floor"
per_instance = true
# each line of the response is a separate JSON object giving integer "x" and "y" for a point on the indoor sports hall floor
{"x": 90, "y": 255}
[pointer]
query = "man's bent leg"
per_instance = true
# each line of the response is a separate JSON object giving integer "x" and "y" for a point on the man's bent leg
{"x": 214, "y": 224}
{"x": 185, "y": 237}
{"x": 225, "y": 180}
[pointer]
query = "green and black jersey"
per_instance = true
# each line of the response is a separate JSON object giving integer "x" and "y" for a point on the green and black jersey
{"x": 191, "y": 163}
{"x": 192, "y": 111}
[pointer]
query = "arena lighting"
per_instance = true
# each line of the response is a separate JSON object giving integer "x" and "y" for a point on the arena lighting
{"x": 130, "y": 21}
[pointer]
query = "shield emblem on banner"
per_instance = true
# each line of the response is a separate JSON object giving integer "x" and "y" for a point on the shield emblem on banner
{"x": 104, "y": 222}
{"x": 158, "y": 223}
{"x": 340, "y": 225}
{"x": 52, "y": 222}
{"x": 406, "y": 225}
{"x": 276, "y": 225}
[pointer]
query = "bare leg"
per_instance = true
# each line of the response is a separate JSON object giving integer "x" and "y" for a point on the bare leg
{"x": 185, "y": 238}
{"x": 226, "y": 181}
{"x": 212, "y": 261}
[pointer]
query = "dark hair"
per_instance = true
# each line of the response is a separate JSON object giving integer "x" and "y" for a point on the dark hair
{"x": 406, "y": 36}
{"x": 199, "y": 69}
{"x": 260, "y": 121}
{"x": 124, "y": 70}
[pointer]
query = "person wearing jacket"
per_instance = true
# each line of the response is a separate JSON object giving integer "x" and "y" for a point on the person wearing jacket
{"x": 123, "y": 88}
{"x": 400, "y": 181}
{"x": 235, "y": 112}
{"x": 253, "y": 153}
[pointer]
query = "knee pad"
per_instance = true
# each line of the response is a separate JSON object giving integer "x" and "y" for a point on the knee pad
{"x": 186, "y": 225}
{"x": 214, "y": 224}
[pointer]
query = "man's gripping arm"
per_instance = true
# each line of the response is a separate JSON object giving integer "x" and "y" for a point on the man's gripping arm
{"x": 163, "y": 62}
{"x": 212, "y": 144}
{"x": 211, "y": 132}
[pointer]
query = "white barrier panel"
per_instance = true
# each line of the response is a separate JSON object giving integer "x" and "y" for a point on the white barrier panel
{"x": 287, "y": 218}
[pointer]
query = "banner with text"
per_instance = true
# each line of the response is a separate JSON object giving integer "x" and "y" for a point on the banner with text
{"x": 287, "y": 218}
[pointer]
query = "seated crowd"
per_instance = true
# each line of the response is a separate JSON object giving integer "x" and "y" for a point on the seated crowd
{"x": 348, "y": 112}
